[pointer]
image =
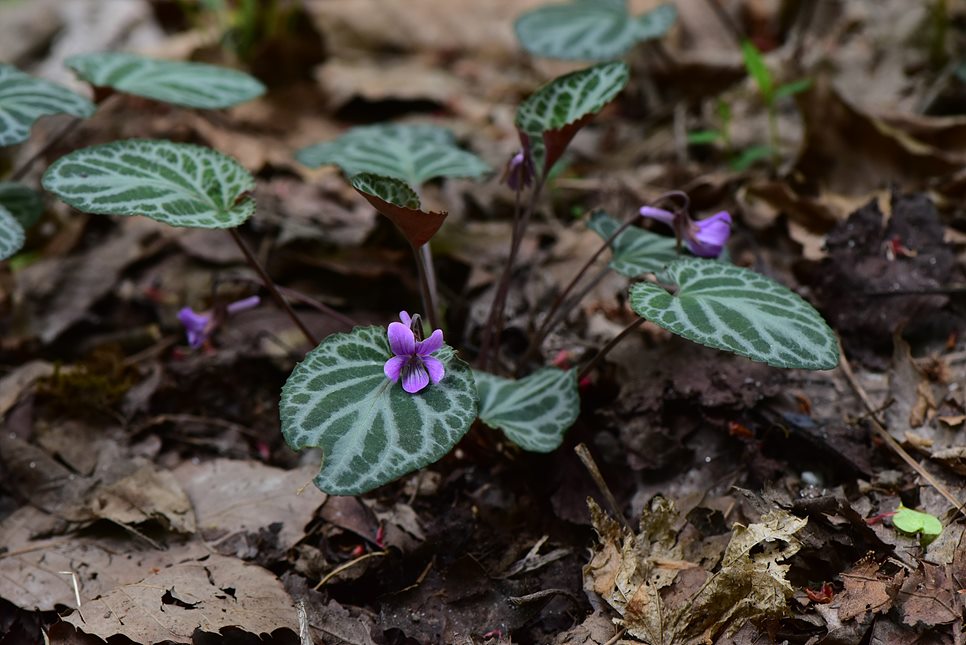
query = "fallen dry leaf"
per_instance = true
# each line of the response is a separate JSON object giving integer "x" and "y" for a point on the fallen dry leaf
{"x": 668, "y": 601}
{"x": 867, "y": 589}
{"x": 205, "y": 593}
{"x": 146, "y": 494}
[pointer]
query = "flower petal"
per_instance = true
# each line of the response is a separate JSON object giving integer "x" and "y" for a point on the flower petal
{"x": 659, "y": 214}
{"x": 195, "y": 326}
{"x": 405, "y": 318}
{"x": 393, "y": 367}
{"x": 431, "y": 344}
{"x": 401, "y": 339}
{"x": 710, "y": 235}
{"x": 435, "y": 368}
{"x": 414, "y": 376}
{"x": 241, "y": 305}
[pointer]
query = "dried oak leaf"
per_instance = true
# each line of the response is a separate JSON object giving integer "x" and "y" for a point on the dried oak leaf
{"x": 868, "y": 588}
{"x": 666, "y": 600}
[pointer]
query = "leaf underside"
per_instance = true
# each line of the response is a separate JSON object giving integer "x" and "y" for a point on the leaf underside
{"x": 413, "y": 153}
{"x": 194, "y": 85}
{"x": 565, "y": 101}
{"x": 369, "y": 429}
{"x": 740, "y": 311}
{"x": 636, "y": 252}
{"x": 400, "y": 203}
{"x": 12, "y": 236}
{"x": 24, "y": 99}
{"x": 533, "y": 412}
{"x": 179, "y": 184}
{"x": 589, "y": 29}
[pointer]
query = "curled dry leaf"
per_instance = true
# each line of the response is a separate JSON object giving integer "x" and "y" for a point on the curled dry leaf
{"x": 666, "y": 600}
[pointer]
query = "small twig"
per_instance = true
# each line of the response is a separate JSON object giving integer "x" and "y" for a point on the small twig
{"x": 588, "y": 461}
{"x": 272, "y": 288}
{"x": 73, "y": 580}
{"x": 726, "y": 20}
{"x": 888, "y": 438}
{"x": 346, "y": 565}
{"x": 616, "y": 637}
{"x": 609, "y": 346}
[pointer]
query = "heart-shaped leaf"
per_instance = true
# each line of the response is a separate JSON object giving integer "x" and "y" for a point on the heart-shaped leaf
{"x": 740, "y": 311}
{"x": 637, "y": 252}
{"x": 369, "y": 429}
{"x": 193, "y": 85}
{"x": 413, "y": 153}
{"x": 533, "y": 412}
{"x": 175, "y": 183}
{"x": 912, "y": 522}
{"x": 550, "y": 117}
{"x": 589, "y": 29}
{"x": 400, "y": 203}
{"x": 24, "y": 203}
{"x": 24, "y": 99}
{"x": 12, "y": 236}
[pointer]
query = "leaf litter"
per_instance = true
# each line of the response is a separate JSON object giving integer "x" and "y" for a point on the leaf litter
{"x": 118, "y": 477}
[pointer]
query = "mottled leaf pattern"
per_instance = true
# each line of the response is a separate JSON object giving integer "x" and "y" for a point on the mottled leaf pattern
{"x": 23, "y": 203}
{"x": 589, "y": 29}
{"x": 533, "y": 412}
{"x": 740, "y": 311}
{"x": 175, "y": 183}
{"x": 565, "y": 101}
{"x": 369, "y": 429}
{"x": 12, "y": 235}
{"x": 24, "y": 99}
{"x": 388, "y": 189}
{"x": 637, "y": 252}
{"x": 194, "y": 85}
{"x": 413, "y": 153}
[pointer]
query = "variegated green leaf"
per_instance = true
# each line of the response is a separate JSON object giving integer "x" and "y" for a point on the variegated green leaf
{"x": 369, "y": 429}
{"x": 194, "y": 85}
{"x": 23, "y": 203}
{"x": 637, "y": 252}
{"x": 533, "y": 412}
{"x": 413, "y": 153}
{"x": 739, "y": 311}
{"x": 388, "y": 189}
{"x": 24, "y": 99}
{"x": 12, "y": 236}
{"x": 175, "y": 183}
{"x": 551, "y": 116}
{"x": 589, "y": 29}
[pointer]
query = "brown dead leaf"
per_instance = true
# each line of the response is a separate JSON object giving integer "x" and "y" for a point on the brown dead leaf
{"x": 60, "y": 291}
{"x": 231, "y": 496}
{"x": 597, "y": 629}
{"x": 33, "y": 564}
{"x": 928, "y": 597}
{"x": 666, "y": 600}
{"x": 867, "y": 589}
{"x": 146, "y": 494}
{"x": 407, "y": 79}
{"x": 13, "y": 384}
{"x": 206, "y": 593}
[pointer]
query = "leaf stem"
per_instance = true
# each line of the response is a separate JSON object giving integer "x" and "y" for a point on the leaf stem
{"x": 549, "y": 322}
{"x": 272, "y": 288}
{"x": 59, "y": 136}
{"x": 494, "y": 324}
{"x": 586, "y": 369}
{"x": 427, "y": 282}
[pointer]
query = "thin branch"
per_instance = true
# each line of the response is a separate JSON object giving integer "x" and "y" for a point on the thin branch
{"x": 272, "y": 288}
{"x": 606, "y": 348}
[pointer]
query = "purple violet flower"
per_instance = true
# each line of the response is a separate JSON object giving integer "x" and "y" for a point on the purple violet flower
{"x": 412, "y": 360}
{"x": 198, "y": 326}
{"x": 519, "y": 170}
{"x": 705, "y": 238}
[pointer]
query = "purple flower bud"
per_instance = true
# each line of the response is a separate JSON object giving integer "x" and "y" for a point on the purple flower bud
{"x": 196, "y": 326}
{"x": 412, "y": 361}
{"x": 519, "y": 170}
{"x": 705, "y": 238}
{"x": 708, "y": 236}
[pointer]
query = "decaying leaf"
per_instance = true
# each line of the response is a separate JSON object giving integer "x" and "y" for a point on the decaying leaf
{"x": 206, "y": 593}
{"x": 666, "y": 600}
{"x": 868, "y": 588}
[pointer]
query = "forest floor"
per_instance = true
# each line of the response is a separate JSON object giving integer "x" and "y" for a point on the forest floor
{"x": 147, "y": 495}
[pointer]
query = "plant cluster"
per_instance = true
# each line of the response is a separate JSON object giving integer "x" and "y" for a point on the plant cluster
{"x": 382, "y": 402}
